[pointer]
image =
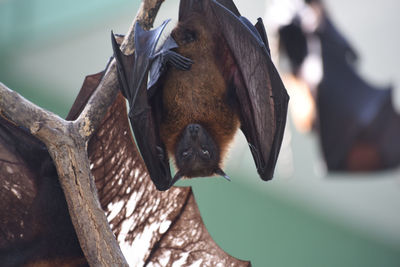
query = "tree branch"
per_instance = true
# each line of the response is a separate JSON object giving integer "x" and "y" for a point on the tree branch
{"x": 67, "y": 142}
{"x": 41, "y": 123}
{"x": 107, "y": 90}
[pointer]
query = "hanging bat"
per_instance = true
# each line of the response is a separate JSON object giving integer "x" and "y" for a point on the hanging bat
{"x": 35, "y": 226}
{"x": 357, "y": 123}
{"x": 212, "y": 75}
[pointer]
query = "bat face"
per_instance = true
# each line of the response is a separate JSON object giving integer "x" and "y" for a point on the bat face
{"x": 196, "y": 153}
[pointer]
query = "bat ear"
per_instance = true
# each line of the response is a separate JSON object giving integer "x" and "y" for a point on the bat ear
{"x": 177, "y": 176}
{"x": 220, "y": 172}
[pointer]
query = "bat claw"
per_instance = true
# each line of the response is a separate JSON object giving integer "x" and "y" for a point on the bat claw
{"x": 227, "y": 178}
{"x": 220, "y": 172}
{"x": 178, "y": 61}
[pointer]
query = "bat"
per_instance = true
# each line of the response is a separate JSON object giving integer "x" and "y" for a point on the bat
{"x": 357, "y": 123}
{"x": 212, "y": 76}
{"x": 35, "y": 227}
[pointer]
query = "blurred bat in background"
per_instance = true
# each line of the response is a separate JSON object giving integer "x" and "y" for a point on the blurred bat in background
{"x": 356, "y": 122}
{"x": 212, "y": 75}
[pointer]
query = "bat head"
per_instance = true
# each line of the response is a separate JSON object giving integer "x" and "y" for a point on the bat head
{"x": 197, "y": 153}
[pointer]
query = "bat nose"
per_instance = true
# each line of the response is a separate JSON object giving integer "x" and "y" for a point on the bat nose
{"x": 194, "y": 130}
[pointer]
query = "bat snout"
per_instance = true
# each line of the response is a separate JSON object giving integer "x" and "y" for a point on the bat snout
{"x": 194, "y": 130}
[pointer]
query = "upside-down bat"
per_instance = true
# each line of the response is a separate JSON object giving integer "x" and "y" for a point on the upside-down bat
{"x": 36, "y": 229}
{"x": 212, "y": 75}
{"x": 357, "y": 123}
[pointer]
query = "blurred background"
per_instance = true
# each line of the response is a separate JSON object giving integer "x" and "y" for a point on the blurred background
{"x": 305, "y": 216}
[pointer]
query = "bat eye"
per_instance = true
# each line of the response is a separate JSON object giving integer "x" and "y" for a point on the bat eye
{"x": 189, "y": 36}
{"x": 205, "y": 152}
{"x": 185, "y": 154}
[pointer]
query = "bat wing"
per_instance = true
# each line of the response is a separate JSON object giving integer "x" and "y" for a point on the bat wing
{"x": 18, "y": 188}
{"x": 262, "y": 97}
{"x": 34, "y": 224}
{"x": 347, "y": 105}
{"x": 144, "y": 112}
{"x": 89, "y": 86}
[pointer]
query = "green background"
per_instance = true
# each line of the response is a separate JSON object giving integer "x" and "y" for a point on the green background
{"x": 304, "y": 217}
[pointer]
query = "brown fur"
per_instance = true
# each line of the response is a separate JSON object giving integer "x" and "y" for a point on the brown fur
{"x": 199, "y": 95}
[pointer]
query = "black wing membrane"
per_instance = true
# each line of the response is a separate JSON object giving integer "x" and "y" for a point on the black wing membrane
{"x": 34, "y": 221}
{"x": 132, "y": 69}
{"x": 347, "y": 104}
{"x": 133, "y": 72}
{"x": 261, "y": 94}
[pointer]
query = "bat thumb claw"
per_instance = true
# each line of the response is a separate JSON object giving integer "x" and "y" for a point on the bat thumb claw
{"x": 227, "y": 177}
{"x": 223, "y": 174}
